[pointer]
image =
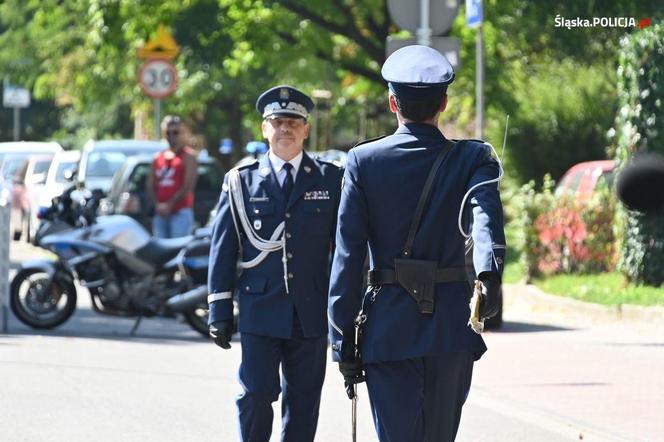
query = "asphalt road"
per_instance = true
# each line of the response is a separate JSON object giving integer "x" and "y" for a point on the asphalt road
{"x": 545, "y": 378}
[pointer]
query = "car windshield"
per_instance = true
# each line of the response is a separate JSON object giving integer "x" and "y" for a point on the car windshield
{"x": 62, "y": 167}
{"x": 104, "y": 164}
{"x": 41, "y": 166}
{"x": 10, "y": 166}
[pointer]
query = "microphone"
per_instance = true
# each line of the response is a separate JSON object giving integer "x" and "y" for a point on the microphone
{"x": 640, "y": 185}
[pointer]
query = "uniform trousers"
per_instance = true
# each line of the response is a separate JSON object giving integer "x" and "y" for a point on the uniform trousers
{"x": 302, "y": 363}
{"x": 419, "y": 399}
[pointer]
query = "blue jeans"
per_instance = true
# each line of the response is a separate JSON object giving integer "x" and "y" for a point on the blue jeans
{"x": 176, "y": 225}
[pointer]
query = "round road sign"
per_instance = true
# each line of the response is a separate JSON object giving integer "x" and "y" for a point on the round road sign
{"x": 158, "y": 78}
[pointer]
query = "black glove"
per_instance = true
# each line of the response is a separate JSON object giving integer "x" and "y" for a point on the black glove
{"x": 222, "y": 332}
{"x": 492, "y": 295}
{"x": 353, "y": 372}
{"x": 351, "y": 368}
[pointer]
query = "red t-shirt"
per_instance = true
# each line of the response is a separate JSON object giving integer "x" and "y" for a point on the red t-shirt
{"x": 169, "y": 177}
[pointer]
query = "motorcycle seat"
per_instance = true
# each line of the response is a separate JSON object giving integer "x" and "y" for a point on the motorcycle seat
{"x": 158, "y": 251}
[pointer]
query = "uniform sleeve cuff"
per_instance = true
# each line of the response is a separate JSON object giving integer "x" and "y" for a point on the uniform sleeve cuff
{"x": 212, "y": 297}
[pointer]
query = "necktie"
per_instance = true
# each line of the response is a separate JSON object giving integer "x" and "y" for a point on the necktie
{"x": 288, "y": 182}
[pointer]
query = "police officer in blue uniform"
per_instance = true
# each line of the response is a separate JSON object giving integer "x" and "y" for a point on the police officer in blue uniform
{"x": 415, "y": 347}
{"x": 277, "y": 218}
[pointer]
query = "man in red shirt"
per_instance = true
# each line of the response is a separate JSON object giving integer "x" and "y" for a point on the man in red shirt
{"x": 170, "y": 184}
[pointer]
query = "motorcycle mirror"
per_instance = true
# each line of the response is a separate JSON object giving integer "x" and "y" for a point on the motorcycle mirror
{"x": 69, "y": 174}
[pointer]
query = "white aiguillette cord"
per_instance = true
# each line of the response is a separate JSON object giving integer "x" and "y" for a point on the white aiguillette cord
{"x": 484, "y": 183}
{"x": 276, "y": 242}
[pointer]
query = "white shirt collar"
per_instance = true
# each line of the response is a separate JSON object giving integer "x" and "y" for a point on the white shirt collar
{"x": 278, "y": 163}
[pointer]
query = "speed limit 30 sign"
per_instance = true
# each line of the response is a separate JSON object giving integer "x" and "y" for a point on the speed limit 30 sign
{"x": 158, "y": 78}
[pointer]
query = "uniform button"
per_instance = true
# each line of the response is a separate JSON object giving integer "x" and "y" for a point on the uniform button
{"x": 290, "y": 276}
{"x": 247, "y": 288}
{"x": 317, "y": 209}
{"x": 257, "y": 211}
{"x": 289, "y": 255}
{"x": 288, "y": 235}
{"x": 287, "y": 214}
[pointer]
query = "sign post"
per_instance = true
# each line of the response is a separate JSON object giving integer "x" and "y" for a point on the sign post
{"x": 427, "y": 19}
{"x": 17, "y": 98}
{"x": 157, "y": 76}
{"x": 474, "y": 17}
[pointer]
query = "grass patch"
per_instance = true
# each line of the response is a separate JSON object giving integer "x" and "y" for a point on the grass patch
{"x": 602, "y": 288}
{"x": 514, "y": 272}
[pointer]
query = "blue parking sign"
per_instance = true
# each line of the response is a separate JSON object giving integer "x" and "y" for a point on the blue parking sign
{"x": 473, "y": 13}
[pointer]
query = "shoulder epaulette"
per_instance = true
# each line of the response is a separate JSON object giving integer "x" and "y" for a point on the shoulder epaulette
{"x": 469, "y": 139}
{"x": 321, "y": 160}
{"x": 370, "y": 140}
{"x": 246, "y": 166}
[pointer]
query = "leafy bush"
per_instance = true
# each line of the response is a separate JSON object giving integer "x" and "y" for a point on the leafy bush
{"x": 639, "y": 126}
{"x": 564, "y": 234}
{"x": 525, "y": 207}
{"x": 577, "y": 236}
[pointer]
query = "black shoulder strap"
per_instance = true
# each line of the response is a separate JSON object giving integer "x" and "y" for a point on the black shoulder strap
{"x": 419, "y": 211}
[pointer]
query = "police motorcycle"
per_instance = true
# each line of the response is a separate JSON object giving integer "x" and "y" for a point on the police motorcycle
{"x": 126, "y": 271}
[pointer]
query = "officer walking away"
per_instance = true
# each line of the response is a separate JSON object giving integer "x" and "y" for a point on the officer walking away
{"x": 170, "y": 184}
{"x": 402, "y": 195}
{"x": 277, "y": 217}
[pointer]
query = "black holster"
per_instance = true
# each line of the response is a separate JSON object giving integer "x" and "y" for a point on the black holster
{"x": 418, "y": 278}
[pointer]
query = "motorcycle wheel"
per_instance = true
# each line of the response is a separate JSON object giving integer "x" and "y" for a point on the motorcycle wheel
{"x": 39, "y": 301}
{"x": 198, "y": 318}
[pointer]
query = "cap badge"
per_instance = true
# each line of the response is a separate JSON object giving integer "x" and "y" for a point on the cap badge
{"x": 284, "y": 94}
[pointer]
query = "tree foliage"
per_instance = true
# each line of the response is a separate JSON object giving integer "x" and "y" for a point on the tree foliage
{"x": 639, "y": 126}
{"x": 80, "y": 57}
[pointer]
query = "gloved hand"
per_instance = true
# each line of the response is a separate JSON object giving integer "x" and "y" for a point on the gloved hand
{"x": 351, "y": 368}
{"x": 353, "y": 372}
{"x": 222, "y": 332}
{"x": 491, "y": 297}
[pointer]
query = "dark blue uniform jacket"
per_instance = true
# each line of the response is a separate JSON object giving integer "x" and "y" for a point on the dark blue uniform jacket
{"x": 310, "y": 215}
{"x": 382, "y": 184}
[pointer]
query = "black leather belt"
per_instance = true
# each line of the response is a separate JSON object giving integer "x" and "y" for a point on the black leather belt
{"x": 388, "y": 276}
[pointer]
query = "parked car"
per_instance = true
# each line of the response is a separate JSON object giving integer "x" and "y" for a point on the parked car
{"x": 101, "y": 159}
{"x": 24, "y": 149}
{"x": 582, "y": 179}
{"x": 334, "y": 156}
{"x": 127, "y": 191}
{"x": 27, "y": 182}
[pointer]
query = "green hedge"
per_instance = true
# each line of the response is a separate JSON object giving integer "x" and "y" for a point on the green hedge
{"x": 560, "y": 116}
{"x": 639, "y": 126}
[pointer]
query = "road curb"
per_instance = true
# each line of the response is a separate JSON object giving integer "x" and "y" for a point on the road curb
{"x": 533, "y": 298}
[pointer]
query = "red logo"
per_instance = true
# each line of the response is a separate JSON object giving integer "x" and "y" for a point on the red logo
{"x": 644, "y": 23}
